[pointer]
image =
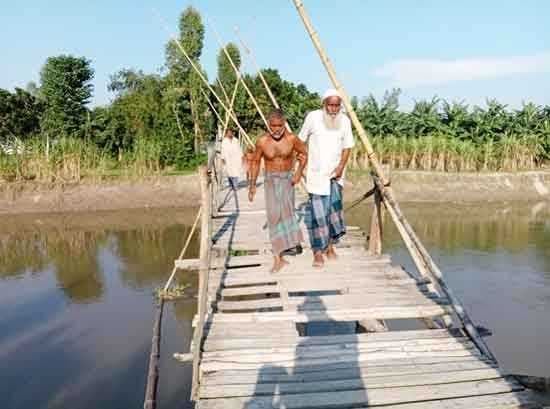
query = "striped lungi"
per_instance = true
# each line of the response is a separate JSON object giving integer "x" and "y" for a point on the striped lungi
{"x": 324, "y": 218}
{"x": 284, "y": 231}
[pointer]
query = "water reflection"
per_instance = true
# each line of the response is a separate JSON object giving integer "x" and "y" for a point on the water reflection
{"x": 496, "y": 258}
{"x": 77, "y": 307}
{"x": 74, "y": 253}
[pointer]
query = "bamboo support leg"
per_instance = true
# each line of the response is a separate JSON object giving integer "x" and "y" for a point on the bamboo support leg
{"x": 375, "y": 236}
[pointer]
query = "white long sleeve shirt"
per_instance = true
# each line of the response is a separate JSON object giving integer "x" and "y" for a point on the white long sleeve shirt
{"x": 324, "y": 150}
{"x": 232, "y": 155}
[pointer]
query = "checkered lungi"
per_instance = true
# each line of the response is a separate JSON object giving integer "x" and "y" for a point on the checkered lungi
{"x": 284, "y": 230}
{"x": 324, "y": 218}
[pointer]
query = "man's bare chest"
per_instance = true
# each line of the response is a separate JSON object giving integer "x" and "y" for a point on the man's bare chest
{"x": 278, "y": 150}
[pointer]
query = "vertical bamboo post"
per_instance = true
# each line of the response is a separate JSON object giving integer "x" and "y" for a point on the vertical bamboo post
{"x": 375, "y": 235}
{"x": 205, "y": 247}
{"x": 345, "y": 98}
{"x": 153, "y": 372}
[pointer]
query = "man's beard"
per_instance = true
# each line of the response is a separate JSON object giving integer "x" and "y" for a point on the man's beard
{"x": 278, "y": 135}
{"x": 332, "y": 122}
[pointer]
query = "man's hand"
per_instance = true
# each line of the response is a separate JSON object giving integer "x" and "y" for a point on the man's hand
{"x": 296, "y": 178}
{"x": 301, "y": 157}
{"x": 251, "y": 193}
{"x": 337, "y": 173}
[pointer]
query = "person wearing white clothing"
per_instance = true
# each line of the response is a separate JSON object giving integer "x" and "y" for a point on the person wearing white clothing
{"x": 330, "y": 139}
{"x": 232, "y": 159}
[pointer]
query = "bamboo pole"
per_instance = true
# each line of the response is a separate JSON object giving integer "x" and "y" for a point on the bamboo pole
{"x": 409, "y": 236}
{"x": 247, "y": 137}
{"x": 237, "y": 73}
{"x": 205, "y": 254}
{"x": 150, "y": 401}
{"x": 345, "y": 98}
{"x": 375, "y": 235}
{"x": 205, "y": 81}
{"x": 259, "y": 71}
{"x": 257, "y": 67}
{"x": 231, "y": 104}
{"x": 401, "y": 223}
{"x": 191, "y": 233}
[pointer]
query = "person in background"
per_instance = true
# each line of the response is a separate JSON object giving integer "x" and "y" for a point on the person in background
{"x": 232, "y": 157}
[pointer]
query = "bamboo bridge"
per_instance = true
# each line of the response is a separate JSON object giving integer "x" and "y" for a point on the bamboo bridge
{"x": 323, "y": 338}
{"x": 326, "y": 338}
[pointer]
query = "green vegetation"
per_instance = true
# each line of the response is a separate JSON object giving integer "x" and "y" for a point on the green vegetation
{"x": 443, "y": 136}
{"x": 160, "y": 123}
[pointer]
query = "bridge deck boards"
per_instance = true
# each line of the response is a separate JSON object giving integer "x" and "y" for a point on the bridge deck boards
{"x": 289, "y": 339}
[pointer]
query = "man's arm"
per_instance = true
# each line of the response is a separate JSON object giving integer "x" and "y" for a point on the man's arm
{"x": 255, "y": 169}
{"x": 342, "y": 165}
{"x": 301, "y": 154}
{"x": 348, "y": 144}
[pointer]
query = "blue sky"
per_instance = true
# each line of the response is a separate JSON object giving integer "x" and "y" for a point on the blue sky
{"x": 468, "y": 50}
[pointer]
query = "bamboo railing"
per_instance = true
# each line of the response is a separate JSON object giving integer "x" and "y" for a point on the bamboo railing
{"x": 423, "y": 261}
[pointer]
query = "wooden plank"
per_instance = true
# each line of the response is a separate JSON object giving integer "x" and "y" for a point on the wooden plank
{"x": 391, "y": 364}
{"x": 364, "y": 290}
{"x": 512, "y": 400}
{"x": 296, "y": 284}
{"x": 353, "y": 369}
{"x": 252, "y": 343}
{"x": 370, "y": 397}
{"x": 290, "y": 354}
{"x": 271, "y": 336}
{"x": 301, "y": 271}
{"x": 217, "y": 365}
{"x": 357, "y": 382}
{"x": 331, "y": 302}
{"x": 388, "y": 312}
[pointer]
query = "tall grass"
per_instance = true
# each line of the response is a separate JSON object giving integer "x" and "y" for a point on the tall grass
{"x": 439, "y": 152}
{"x": 69, "y": 160}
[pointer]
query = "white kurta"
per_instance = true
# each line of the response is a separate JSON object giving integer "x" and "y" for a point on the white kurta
{"x": 324, "y": 150}
{"x": 233, "y": 157}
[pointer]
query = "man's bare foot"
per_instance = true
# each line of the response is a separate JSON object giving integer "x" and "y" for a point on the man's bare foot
{"x": 331, "y": 254}
{"x": 318, "y": 260}
{"x": 278, "y": 264}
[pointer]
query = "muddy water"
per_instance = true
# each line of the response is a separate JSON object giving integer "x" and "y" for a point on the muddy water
{"x": 76, "y": 296}
{"x": 77, "y": 308}
{"x": 496, "y": 259}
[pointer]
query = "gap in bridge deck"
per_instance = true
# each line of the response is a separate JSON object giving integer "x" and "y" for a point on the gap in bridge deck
{"x": 405, "y": 324}
{"x": 323, "y": 328}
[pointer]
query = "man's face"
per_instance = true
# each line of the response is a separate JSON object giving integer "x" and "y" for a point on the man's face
{"x": 229, "y": 134}
{"x": 277, "y": 127}
{"x": 333, "y": 105}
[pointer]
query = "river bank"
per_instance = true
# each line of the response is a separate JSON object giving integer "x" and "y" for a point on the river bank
{"x": 183, "y": 191}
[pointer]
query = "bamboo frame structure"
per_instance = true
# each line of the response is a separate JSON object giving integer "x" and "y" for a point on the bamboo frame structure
{"x": 416, "y": 249}
{"x": 259, "y": 71}
{"x": 205, "y": 81}
{"x": 237, "y": 73}
{"x": 205, "y": 255}
{"x": 189, "y": 236}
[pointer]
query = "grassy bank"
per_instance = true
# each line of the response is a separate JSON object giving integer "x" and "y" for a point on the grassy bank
{"x": 70, "y": 160}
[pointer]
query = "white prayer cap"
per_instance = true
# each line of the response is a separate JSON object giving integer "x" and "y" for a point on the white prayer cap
{"x": 331, "y": 92}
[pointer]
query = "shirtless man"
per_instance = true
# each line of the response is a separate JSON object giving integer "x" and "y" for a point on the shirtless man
{"x": 277, "y": 148}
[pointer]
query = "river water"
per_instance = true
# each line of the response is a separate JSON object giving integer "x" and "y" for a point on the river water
{"x": 76, "y": 296}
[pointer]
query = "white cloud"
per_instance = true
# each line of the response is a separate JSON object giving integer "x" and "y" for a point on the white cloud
{"x": 414, "y": 72}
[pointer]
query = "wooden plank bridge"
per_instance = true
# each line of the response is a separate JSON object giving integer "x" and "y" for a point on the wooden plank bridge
{"x": 324, "y": 338}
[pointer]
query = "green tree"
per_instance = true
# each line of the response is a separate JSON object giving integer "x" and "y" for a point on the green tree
{"x": 66, "y": 89}
{"x": 182, "y": 78}
{"x": 19, "y": 115}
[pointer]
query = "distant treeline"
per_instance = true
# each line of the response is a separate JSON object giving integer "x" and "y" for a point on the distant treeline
{"x": 160, "y": 122}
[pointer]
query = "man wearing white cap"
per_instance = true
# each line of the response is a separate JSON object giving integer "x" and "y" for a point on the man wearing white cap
{"x": 330, "y": 139}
